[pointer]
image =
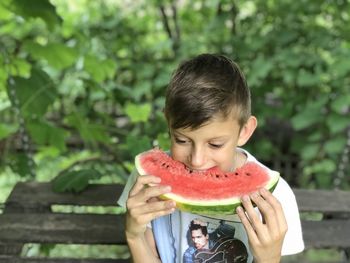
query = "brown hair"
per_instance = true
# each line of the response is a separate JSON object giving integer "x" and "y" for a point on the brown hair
{"x": 204, "y": 86}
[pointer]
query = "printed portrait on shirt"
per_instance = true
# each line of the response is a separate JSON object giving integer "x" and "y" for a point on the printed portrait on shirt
{"x": 213, "y": 242}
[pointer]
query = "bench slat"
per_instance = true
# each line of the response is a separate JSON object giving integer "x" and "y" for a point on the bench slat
{"x": 324, "y": 201}
{"x": 109, "y": 229}
{"x": 326, "y": 233}
{"x": 34, "y": 193}
{"x": 62, "y": 228}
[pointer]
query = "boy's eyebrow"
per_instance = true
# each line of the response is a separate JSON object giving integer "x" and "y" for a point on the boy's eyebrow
{"x": 214, "y": 138}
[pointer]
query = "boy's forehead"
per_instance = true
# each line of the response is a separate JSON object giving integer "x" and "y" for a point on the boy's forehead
{"x": 214, "y": 128}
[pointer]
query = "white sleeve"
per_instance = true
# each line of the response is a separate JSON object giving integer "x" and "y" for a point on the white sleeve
{"x": 129, "y": 184}
{"x": 293, "y": 242}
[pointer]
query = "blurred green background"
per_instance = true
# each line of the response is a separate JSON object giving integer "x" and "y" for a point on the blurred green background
{"x": 82, "y": 83}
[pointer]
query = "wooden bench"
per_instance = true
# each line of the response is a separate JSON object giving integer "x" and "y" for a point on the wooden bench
{"x": 28, "y": 218}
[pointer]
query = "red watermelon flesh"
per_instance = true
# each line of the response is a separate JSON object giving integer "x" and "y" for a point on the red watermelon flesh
{"x": 210, "y": 191}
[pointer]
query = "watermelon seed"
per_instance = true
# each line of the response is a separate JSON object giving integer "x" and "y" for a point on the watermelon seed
{"x": 248, "y": 174}
{"x": 236, "y": 173}
{"x": 217, "y": 176}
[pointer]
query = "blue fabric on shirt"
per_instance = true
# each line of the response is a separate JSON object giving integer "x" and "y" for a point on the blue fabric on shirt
{"x": 165, "y": 243}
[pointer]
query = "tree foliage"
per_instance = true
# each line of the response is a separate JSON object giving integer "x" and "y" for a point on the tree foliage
{"x": 90, "y": 75}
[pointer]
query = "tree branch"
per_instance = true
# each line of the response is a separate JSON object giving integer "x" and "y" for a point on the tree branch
{"x": 165, "y": 22}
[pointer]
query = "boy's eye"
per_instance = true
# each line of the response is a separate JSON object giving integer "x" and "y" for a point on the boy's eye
{"x": 216, "y": 146}
{"x": 177, "y": 140}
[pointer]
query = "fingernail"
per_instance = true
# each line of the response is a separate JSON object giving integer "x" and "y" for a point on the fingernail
{"x": 245, "y": 198}
{"x": 254, "y": 195}
{"x": 168, "y": 188}
{"x": 263, "y": 190}
{"x": 239, "y": 209}
{"x": 158, "y": 180}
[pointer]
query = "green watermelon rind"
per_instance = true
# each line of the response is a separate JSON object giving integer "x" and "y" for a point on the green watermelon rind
{"x": 224, "y": 206}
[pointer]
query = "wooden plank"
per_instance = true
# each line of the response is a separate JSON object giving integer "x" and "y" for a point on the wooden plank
{"x": 34, "y": 194}
{"x": 109, "y": 229}
{"x": 62, "y": 228}
{"x": 59, "y": 260}
{"x": 325, "y": 201}
{"x": 10, "y": 249}
{"x": 326, "y": 234}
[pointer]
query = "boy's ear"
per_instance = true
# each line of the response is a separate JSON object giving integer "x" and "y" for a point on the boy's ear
{"x": 247, "y": 130}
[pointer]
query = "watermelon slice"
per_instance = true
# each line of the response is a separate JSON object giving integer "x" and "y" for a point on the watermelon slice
{"x": 205, "y": 192}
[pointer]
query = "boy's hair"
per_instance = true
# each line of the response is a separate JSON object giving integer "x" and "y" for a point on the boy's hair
{"x": 205, "y": 86}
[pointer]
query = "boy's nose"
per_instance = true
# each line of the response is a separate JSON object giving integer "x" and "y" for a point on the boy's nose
{"x": 197, "y": 159}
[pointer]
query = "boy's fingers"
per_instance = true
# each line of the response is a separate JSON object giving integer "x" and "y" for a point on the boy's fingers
{"x": 147, "y": 195}
{"x": 269, "y": 222}
{"x": 146, "y": 218}
{"x": 251, "y": 212}
{"x": 276, "y": 206}
{"x": 152, "y": 208}
{"x": 247, "y": 225}
{"x": 267, "y": 211}
{"x": 142, "y": 181}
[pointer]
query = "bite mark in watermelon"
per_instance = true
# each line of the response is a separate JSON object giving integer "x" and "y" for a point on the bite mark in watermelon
{"x": 205, "y": 192}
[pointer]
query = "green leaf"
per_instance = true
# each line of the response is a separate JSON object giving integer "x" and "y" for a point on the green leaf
{"x": 309, "y": 115}
{"x": 5, "y": 13}
{"x": 310, "y": 151}
{"x": 306, "y": 79}
{"x": 163, "y": 140}
{"x": 337, "y": 123}
{"x": 7, "y": 129}
{"x": 21, "y": 164}
{"x": 57, "y": 55}
{"x": 44, "y": 133}
{"x": 325, "y": 166}
{"x": 335, "y": 145}
{"x": 37, "y": 9}
{"x": 341, "y": 66}
{"x": 99, "y": 69}
{"x": 89, "y": 132}
{"x": 136, "y": 145}
{"x": 324, "y": 179}
{"x": 305, "y": 119}
{"x": 74, "y": 181}
{"x": 20, "y": 67}
{"x": 138, "y": 113}
{"x": 260, "y": 69}
{"x": 341, "y": 103}
{"x": 35, "y": 94}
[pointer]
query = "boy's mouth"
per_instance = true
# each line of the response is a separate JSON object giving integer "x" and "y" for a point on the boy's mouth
{"x": 192, "y": 170}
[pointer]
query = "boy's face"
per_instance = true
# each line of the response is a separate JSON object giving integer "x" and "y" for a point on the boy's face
{"x": 211, "y": 145}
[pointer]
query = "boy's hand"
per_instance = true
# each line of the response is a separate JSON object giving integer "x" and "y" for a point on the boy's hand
{"x": 265, "y": 235}
{"x": 144, "y": 206}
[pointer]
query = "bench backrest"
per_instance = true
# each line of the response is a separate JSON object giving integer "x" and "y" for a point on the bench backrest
{"x": 28, "y": 218}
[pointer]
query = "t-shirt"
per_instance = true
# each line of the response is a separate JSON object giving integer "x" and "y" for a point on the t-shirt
{"x": 183, "y": 237}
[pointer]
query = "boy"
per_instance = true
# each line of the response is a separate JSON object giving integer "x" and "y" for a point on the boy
{"x": 207, "y": 109}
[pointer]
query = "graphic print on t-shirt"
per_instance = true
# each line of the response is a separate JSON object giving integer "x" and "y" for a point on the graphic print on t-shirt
{"x": 213, "y": 241}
